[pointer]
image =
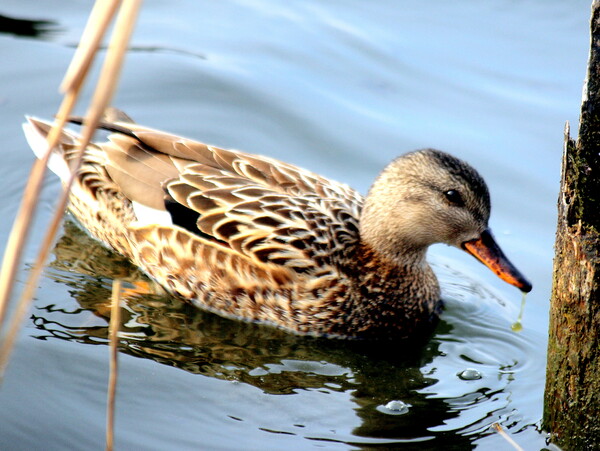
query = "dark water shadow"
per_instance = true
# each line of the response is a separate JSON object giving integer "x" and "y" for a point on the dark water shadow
{"x": 28, "y": 28}
{"x": 165, "y": 329}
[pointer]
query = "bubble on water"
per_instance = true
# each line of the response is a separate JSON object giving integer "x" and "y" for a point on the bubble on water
{"x": 395, "y": 407}
{"x": 470, "y": 374}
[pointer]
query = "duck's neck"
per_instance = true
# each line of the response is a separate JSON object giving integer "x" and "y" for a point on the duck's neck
{"x": 390, "y": 296}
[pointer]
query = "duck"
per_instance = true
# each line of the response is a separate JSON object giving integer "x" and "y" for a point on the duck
{"x": 256, "y": 239}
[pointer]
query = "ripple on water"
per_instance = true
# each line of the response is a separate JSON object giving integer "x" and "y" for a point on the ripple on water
{"x": 481, "y": 358}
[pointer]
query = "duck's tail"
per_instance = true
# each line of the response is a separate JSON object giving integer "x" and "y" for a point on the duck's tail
{"x": 95, "y": 200}
{"x": 36, "y": 132}
{"x": 91, "y": 172}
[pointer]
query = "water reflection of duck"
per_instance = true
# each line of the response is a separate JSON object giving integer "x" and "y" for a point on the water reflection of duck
{"x": 254, "y": 238}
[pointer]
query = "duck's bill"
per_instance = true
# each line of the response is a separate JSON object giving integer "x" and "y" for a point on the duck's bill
{"x": 486, "y": 250}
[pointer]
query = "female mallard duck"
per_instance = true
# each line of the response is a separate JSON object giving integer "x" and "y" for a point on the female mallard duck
{"x": 251, "y": 237}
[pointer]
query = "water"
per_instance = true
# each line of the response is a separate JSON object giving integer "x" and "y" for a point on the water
{"x": 340, "y": 88}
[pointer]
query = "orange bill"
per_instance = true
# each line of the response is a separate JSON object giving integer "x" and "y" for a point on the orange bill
{"x": 486, "y": 250}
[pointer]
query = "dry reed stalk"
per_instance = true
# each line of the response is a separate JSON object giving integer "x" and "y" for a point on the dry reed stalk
{"x": 98, "y": 22}
{"x": 100, "y": 17}
{"x": 22, "y": 222}
{"x": 506, "y": 437}
{"x": 97, "y": 25}
{"x": 115, "y": 321}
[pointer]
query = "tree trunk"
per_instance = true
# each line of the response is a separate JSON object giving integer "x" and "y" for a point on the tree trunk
{"x": 572, "y": 397}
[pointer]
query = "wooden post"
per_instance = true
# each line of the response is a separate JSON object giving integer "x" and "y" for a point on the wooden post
{"x": 572, "y": 397}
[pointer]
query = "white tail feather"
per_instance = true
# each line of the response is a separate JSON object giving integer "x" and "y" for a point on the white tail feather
{"x": 39, "y": 145}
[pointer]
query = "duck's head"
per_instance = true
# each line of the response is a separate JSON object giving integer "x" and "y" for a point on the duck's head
{"x": 428, "y": 197}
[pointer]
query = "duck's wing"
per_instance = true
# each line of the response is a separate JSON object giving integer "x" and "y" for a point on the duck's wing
{"x": 265, "y": 209}
{"x": 260, "y": 208}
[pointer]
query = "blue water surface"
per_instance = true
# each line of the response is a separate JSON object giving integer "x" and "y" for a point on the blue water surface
{"x": 340, "y": 88}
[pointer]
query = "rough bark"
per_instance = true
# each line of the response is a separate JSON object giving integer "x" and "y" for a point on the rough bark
{"x": 572, "y": 398}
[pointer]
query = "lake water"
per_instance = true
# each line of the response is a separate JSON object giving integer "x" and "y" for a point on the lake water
{"x": 340, "y": 88}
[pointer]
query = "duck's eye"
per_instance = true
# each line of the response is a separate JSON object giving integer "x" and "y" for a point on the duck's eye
{"x": 454, "y": 197}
